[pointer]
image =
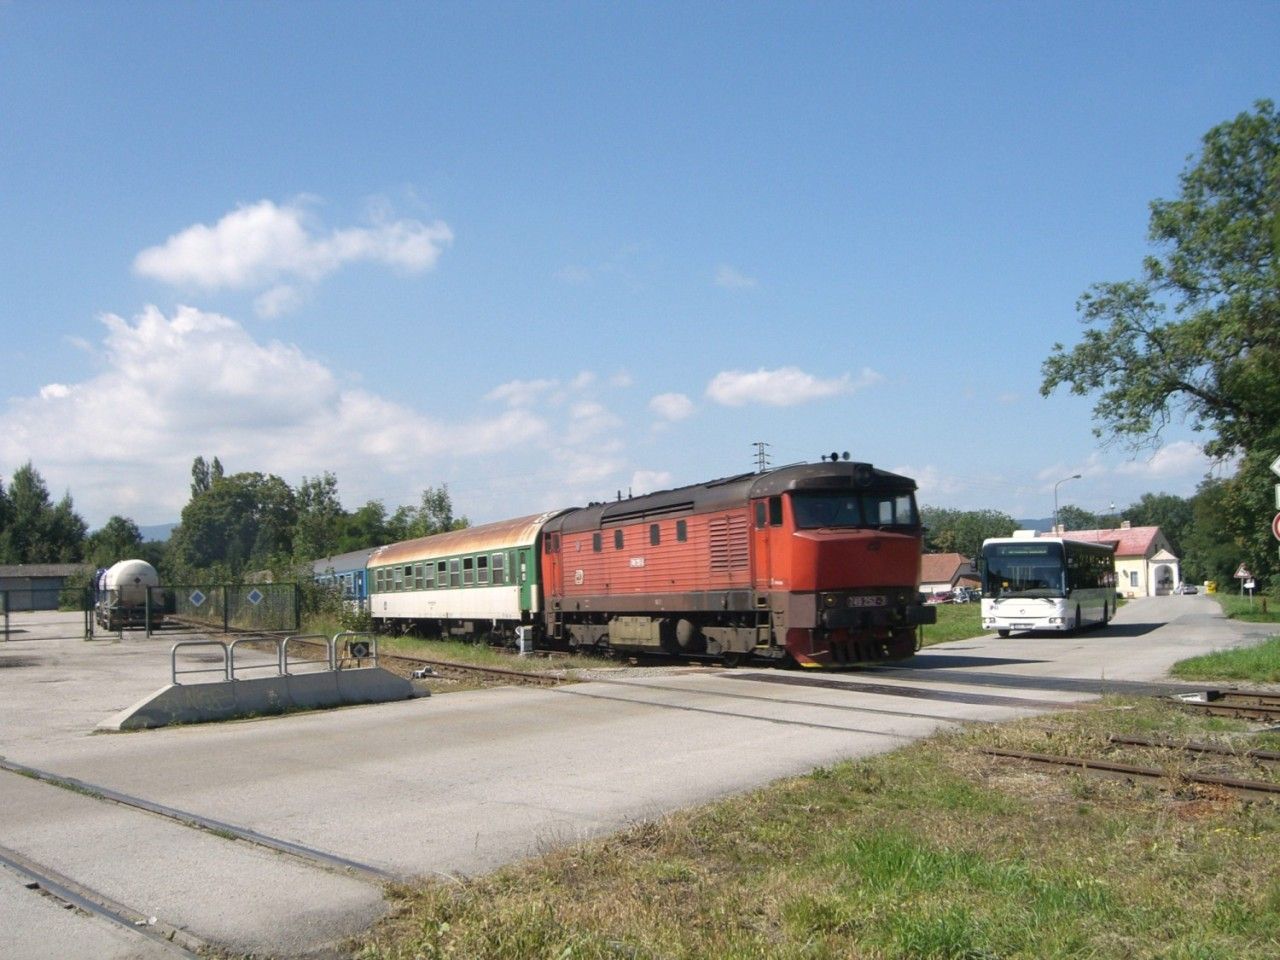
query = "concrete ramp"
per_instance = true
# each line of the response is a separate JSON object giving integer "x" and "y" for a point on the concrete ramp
{"x": 261, "y": 696}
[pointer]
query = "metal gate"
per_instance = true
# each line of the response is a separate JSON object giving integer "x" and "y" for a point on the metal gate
{"x": 46, "y": 613}
{"x": 268, "y": 607}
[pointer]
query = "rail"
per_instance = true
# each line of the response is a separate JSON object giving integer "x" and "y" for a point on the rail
{"x": 174, "y": 672}
{"x": 286, "y": 663}
{"x": 357, "y": 648}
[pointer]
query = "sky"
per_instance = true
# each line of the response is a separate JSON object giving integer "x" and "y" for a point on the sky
{"x": 547, "y": 253}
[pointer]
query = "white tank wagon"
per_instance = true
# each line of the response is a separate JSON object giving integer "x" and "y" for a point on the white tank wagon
{"x": 121, "y": 595}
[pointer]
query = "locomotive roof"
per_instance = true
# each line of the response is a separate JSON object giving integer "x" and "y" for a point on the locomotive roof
{"x": 502, "y": 535}
{"x": 733, "y": 491}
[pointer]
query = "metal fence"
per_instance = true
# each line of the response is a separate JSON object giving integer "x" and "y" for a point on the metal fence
{"x": 269, "y": 607}
{"x": 35, "y": 612}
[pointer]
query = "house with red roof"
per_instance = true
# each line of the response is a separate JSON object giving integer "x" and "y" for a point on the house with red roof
{"x": 943, "y": 572}
{"x": 1145, "y": 562}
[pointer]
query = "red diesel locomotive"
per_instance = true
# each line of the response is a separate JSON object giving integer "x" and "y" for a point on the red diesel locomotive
{"x": 819, "y": 562}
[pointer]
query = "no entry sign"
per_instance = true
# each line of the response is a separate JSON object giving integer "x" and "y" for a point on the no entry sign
{"x": 1275, "y": 526}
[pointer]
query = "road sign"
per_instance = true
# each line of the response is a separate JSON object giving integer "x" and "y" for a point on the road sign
{"x": 1278, "y": 496}
{"x": 1275, "y": 526}
{"x": 1275, "y": 466}
{"x": 1242, "y": 572}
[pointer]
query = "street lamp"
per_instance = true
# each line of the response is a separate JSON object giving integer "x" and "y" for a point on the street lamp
{"x": 1074, "y": 476}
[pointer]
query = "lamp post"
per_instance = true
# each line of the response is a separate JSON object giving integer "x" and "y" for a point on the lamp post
{"x": 1074, "y": 476}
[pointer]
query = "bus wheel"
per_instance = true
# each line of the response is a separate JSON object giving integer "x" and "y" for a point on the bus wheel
{"x": 1003, "y": 632}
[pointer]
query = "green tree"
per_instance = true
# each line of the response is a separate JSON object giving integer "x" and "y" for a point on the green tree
{"x": 119, "y": 539}
{"x": 321, "y": 518}
{"x": 1171, "y": 513}
{"x": 39, "y": 531}
{"x": 962, "y": 531}
{"x": 1199, "y": 335}
{"x": 242, "y": 522}
{"x": 366, "y": 527}
{"x": 1208, "y": 554}
{"x": 1071, "y": 517}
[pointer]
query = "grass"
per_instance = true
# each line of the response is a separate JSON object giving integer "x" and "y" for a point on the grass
{"x": 1259, "y": 664}
{"x": 956, "y": 621}
{"x": 1252, "y": 609}
{"x": 935, "y": 851}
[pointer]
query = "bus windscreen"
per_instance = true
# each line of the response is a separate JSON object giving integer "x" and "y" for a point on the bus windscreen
{"x": 1022, "y": 570}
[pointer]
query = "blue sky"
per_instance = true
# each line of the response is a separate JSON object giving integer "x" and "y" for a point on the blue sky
{"x": 546, "y": 252}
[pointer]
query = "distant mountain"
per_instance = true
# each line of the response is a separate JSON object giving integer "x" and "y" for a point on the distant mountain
{"x": 158, "y": 531}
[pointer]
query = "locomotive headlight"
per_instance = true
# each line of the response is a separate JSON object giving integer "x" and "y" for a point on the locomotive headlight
{"x": 829, "y": 600}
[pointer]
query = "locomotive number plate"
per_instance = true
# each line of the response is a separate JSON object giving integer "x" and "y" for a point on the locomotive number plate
{"x": 866, "y": 601}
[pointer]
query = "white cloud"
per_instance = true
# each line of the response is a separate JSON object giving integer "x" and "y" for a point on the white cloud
{"x": 280, "y": 299}
{"x": 731, "y": 279}
{"x": 647, "y": 481}
{"x": 262, "y": 244}
{"x": 522, "y": 393}
{"x": 198, "y": 383}
{"x": 1178, "y": 459}
{"x": 671, "y": 406}
{"x": 783, "y": 387}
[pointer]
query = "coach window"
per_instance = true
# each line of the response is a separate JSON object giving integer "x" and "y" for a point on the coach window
{"x": 468, "y": 571}
{"x": 377, "y": 581}
{"x": 682, "y": 531}
{"x": 759, "y": 514}
{"x": 398, "y": 582}
{"x": 775, "y": 511}
{"x": 595, "y": 543}
{"x": 428, "y": 576}
{"x": 442, "y": 574}
{"x": 617, "y": 539}
{"x": 455, "y": 573}
{"x": 499, "y": 571}
{"x": 417, "y": 576}
{"x": 655, "y": 534}
{"x": 482, "y": 569}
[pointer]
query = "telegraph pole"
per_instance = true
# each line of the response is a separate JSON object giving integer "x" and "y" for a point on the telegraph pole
{"x": 762, "y": 456}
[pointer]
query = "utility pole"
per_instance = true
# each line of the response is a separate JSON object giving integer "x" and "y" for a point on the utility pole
{"x": 762, "y": 457}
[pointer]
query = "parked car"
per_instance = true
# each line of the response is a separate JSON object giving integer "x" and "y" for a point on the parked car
{"x": 943, "y": 596}
{"x": 1188, "y": 588}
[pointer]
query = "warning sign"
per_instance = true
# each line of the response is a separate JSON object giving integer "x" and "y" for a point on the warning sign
{"x": 1242, "y": 573}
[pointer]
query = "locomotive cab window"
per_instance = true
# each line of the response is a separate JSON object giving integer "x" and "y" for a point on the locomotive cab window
{"x": 775, "y": 511}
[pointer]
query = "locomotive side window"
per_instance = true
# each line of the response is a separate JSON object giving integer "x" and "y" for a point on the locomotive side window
{"x": 775, "y": 511}
{"x": 759, "y": 514}
{"x": 682, "y": 531}
{"x": 655, "y": 534}
{"x": 617, "y": 539}
{"x": 596, "y": 542}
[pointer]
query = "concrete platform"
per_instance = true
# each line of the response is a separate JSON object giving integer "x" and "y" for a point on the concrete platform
{"x": 260, "y": 696}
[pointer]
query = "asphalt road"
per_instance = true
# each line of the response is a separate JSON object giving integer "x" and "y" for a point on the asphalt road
{"x": 454, "y": 784}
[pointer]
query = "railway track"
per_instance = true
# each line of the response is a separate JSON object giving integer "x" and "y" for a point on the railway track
{"x": 1241, "y": 704}
{"x": 1125, "y": 771}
